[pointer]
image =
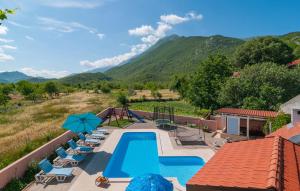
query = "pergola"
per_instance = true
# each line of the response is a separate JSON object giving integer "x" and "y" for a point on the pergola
{"x": 232, "y": 117}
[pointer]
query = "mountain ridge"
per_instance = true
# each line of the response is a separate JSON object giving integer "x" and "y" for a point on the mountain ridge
{"x": 171, "y": 56}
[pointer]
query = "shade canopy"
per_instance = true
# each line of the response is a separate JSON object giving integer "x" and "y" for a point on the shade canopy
{"x": 85, "y": 122}
{"x": 150, "y": 182}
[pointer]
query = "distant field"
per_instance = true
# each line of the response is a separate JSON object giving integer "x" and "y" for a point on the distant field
{"x": 180, "y": 107}
{"x": 166, "y": 94}
{"x": 25, "y": 129}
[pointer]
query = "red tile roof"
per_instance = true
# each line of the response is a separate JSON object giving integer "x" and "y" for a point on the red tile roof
{"x": 248, "y": 112}
{"x": 267, "y": 164}
{"x": 286, "y": 132}
{"x": 295, "y": 62}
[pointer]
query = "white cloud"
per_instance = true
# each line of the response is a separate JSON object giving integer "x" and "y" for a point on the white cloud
{"x": 44, "y": 73}
{"x": 52, "y": 24}
{"x": 3, "y": 30}
{"x": 29, "y": 37}
{"x": 149, "y": 36}
{"x": 5, "y": 57}
{"x": 101, "y": 36}
{"x": 18, "y": 24}
{"x": 3, "y": 40}
{"x": 172, "y": 19}
{"x": 82, "y": 4}
{"x": 7, "y": 47}
{"x": 107, "y": 62}
{"x": 141, "y": 31}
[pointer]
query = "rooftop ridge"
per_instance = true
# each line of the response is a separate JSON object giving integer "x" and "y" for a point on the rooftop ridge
{"x": 274, "y": 175}
{"x": 297, "y": 162}
{"x": 248, "y": 112}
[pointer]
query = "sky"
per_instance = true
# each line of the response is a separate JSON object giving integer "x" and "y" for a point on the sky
{"x": 56, "y": 38}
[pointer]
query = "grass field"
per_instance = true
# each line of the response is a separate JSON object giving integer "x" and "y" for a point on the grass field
{"x": 25, "y": 129}
{"x": 122, "y": 123}
{"x": 180, "y": 107}
{"x": 166, "y": 94}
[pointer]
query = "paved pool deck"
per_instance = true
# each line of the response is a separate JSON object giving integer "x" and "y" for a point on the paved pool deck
{"x": 86, "y": 173}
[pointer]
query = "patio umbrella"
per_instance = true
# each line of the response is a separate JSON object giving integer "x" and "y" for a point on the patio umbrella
{"x": 85, "y": 122}
{"x": 150, "y": 182}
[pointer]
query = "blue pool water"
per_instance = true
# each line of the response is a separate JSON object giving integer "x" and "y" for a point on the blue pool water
{"x": 136, "y": 154}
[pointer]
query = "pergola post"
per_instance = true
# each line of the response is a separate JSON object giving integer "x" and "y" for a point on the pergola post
{"x": 248, "y": 128}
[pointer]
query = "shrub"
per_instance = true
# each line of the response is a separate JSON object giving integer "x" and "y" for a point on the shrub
{"x": 21, "y": 183}
{"x": 105, "y": 89}
{"x": 280, "y": 120}
{"x": 203, "y": 112}
{"x": 122, "y": 99}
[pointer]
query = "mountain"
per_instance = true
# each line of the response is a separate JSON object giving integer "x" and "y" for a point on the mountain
{"x": 39, "y": 79}
{"x": 83, "y": 78}
{"x": 9, "y": 77}
{"x": 293, "y": 40}
{"x": 97, "y": 70}
{"x": 172, "y": 55}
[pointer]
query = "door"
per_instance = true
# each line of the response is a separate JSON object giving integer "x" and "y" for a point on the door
{"x": 233, "y": 125}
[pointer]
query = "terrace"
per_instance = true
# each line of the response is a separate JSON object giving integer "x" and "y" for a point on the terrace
{"x": 87, "y": 172}
{"x": 106, "y": 160}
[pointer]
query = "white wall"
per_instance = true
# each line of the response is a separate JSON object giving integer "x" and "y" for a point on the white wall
{"x": 295, "y": 116}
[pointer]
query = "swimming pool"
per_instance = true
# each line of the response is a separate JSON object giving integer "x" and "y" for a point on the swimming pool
{"x": 136, "y": 154}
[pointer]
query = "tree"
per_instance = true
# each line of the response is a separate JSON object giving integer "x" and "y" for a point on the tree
{"x": 180, "y": 84}
{"x": 25, "y": 87}
{"x": 51, "y": 88}
{"x": 4, "y": 99}
{"x": 105, "y": 89}
{"x": 4, "y": 13}
{"x": 206, "y": 83}
{"x": 7, "y": 89}
{"x": 261, "y": 86}
{"x": 36, "y": 95}
{"x": 122, "y": 99}
{"x": 264, "y": 49}
{"x": 280, "y": 120}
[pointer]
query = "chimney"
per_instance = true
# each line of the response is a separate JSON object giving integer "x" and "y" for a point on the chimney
{"x": 295, "y": 116}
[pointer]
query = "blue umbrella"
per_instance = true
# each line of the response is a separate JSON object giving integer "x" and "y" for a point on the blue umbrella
{"x": 85, "y": 122}
{"x": 150, "y": 182}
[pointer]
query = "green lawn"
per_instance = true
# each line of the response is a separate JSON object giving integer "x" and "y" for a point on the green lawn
{"x": 122, "y": 123}
{"x": 180, "y": 107}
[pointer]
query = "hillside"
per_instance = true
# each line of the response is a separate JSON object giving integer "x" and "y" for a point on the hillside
{"x": 173, "y": 55}
{"x": 83, "y": 78}
{"x": 6, "y": 77}
{"x": 293, "y": 40}
{"x": 38, "y": 79}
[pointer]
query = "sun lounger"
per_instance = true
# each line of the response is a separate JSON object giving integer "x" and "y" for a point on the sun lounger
{"x": 65, "y": 158}
{"x": 48, "y": 172}
{"x": 191, "y": 140}
{"x": 79, "y": 149}
{"x": 100, "y": 130}
{"x": 88, "y": 141}
{"x": 96, "y": 135}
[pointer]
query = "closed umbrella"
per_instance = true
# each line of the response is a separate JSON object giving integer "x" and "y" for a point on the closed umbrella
{"x": 150, "y": 182}
{"x": 80, "y": 123}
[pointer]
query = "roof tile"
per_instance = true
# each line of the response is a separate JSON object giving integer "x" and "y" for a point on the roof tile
{"x": 286, "y": 132}
{"x": 258, "y": 164}
{"x": 248, "y": 112}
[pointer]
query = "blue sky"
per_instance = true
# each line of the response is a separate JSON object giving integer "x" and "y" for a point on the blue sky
{"x": 54, "y": 38}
